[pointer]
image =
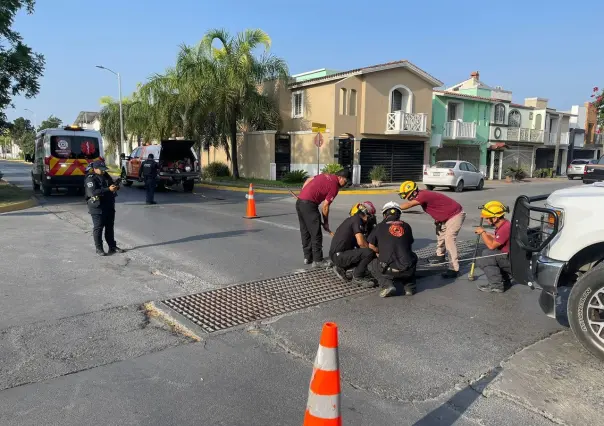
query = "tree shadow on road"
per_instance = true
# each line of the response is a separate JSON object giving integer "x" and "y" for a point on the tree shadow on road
{"x": 451, "y": 410}
{"x": 199, "y": 237}
{"x": 28, "y": 213}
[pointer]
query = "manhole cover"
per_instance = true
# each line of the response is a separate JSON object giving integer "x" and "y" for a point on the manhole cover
{"x": 240, "y": 304}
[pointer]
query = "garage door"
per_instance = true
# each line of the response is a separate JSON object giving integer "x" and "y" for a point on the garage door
{"x": 518, "y": 156}
{"x": 583, "y": 154}
{"x": 471, "y": 154}
{"x": 403, "y": 160}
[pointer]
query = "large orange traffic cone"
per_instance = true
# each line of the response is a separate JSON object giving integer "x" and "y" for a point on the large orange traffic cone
{"x": 323, "y": 406}
{"x": 251, "y": 204}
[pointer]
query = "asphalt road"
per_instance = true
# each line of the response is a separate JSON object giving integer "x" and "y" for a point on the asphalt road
{"x": 79, "y": 350}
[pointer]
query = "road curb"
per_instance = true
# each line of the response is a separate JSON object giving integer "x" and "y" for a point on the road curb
{"x": 295, "y": 190}
{"x": 21, "y": 205}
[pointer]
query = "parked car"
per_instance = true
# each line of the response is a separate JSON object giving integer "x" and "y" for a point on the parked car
{"x": 594, "y": 172}
{"x": 576, "y": 168}
{"x": 453, "y": 174}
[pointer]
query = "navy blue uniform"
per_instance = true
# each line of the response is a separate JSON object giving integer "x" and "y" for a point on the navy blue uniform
{"x": 101, "y": 206}
{"x": 149, "y": 171}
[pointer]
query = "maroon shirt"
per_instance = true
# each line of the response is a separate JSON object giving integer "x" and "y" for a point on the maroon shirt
{"x": 323, "y": 187}
{"x": 439, "y": 206}
{"x": 502, "y": 236}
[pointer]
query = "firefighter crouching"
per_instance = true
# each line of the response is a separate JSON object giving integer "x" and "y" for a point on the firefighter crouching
{"x": 392, "y": 241}
{"x": 349, "y": 248}
{"x": 495, "y": 263}
{"x": 149, "y": 171}
{"x": 100, "y": 197}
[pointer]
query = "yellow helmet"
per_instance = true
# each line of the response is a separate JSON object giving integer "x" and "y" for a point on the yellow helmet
{"x": 355, "y": 209}
{"x": 494, "y": 209}
{"x": 407, "y": 188}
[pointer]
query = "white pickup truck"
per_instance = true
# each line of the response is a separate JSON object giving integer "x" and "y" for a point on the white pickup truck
{"x": 561, "y": 244}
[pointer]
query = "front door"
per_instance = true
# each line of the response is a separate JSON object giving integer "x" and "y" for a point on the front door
{"x": 282, "y": 155}
{"x": 345, "y": 153}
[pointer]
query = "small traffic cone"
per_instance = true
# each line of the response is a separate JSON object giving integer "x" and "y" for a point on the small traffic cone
{"x": 323, "y": 406}
{"x": 251, "y": 204}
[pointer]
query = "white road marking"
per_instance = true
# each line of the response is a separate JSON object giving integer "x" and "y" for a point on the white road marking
{"x": 278, "y": 225}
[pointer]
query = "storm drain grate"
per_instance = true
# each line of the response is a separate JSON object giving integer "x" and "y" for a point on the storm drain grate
{"x": 240, "y": 304}
{"x": 465, "y": 250}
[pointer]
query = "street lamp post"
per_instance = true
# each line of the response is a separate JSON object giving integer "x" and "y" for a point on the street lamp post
{"x": 119, "y": 88}
{"x": 34, "y": 115}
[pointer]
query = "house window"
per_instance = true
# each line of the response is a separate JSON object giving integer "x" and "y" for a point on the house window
{"x": 343, "y": 101}
{"x": 352, "y": 108}
{"x": 514, "y": 119}
{"x": 499, "y": 114}
{"x": 297, "y": 104}
{"x": 454, "y": 111}
{"x": 401, "y": 99}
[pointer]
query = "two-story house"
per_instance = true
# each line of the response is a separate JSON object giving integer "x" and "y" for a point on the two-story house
{"x": 585, "y": 142}
{"x": 376, "y": 115}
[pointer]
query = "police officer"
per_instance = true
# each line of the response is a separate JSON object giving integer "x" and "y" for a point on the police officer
{"x": 395, "y": 265}
{"x": 149, "y": 170}
{"x": 100, "y": 197}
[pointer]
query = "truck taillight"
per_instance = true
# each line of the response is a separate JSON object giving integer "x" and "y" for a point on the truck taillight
{"x": 46, "y": 165}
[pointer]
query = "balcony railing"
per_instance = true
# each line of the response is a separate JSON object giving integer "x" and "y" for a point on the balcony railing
{"x": 403, "y": 122}
{"x": 459, "y": 130}
{"x": 520, "y": 134}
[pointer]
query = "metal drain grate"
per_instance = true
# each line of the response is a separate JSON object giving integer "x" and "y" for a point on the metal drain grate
{"x": 240, "y": 304}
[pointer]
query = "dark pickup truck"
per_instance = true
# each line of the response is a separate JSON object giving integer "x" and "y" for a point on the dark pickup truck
{"x": 594, "y": 172}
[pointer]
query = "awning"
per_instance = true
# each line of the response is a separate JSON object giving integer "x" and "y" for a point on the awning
{"x": 498, "y": 146}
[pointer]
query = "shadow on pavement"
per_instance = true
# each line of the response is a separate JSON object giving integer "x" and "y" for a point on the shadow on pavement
{"x": 200, "y": 237}
{"x": 28, "y": 213}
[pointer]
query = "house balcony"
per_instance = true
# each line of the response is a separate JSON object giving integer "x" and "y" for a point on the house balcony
{"x": 459, "y": 130}
{"x": 520, "y": 134}
{"x": 401, "y": 123}
{"x": 551, "y": 138}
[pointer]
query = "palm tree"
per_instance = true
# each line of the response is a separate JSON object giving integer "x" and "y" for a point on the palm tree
{"x": 235, "y": 75}
{"x": 110, "y": 124}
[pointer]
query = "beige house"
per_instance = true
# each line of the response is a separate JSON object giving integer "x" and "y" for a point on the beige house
{"x": 377, "y": 115}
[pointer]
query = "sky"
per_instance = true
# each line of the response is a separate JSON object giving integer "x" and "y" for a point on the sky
{"x": 549, "y": 49}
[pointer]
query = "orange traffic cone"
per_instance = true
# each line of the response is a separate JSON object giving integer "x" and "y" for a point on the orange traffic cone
{"x": 323, "y": 406}
{"x": 251, "y": 204}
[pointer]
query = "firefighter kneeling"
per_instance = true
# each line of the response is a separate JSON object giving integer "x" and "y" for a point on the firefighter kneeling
{"x": 396, "y": 262}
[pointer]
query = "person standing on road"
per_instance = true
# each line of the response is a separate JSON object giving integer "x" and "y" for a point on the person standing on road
{"x": 349, "y": 248}
{"x": 448, "y": 217}
{"x": 392, "y": 241}
{"x": 495, "y": 263}
{"x": 149, "y": 171}
{"x": 322, "y": 188}
{"x": 100, "y": 197}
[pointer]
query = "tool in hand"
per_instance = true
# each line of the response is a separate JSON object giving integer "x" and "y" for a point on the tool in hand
{"x": 328, "y": 231}
{"x": 471, "y": 274}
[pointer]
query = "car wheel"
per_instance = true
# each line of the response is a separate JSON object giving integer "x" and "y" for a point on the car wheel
{"x": 459, "y": 187}
{"x": 586, "y": 310}
{"x": 125, "y": 180}
{"x": 46, "y": 190}
{"x": 188, "y": 185}
{"x": 429, "y": 187}
{"x": 480, "y": 185}
{"x": 570, "y": 178}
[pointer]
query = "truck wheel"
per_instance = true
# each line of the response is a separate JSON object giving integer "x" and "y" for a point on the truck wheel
{"x": 586, "y": 310}
{"x": 188, "y": 185}
{"x": 35, "y": 185}
{"x": 429, "y": 187}
{"x": 126, "y": 182}
{"x": 46, "y": 190}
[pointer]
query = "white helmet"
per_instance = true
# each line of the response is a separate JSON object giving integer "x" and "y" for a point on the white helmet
{"x": 391, "y": 205}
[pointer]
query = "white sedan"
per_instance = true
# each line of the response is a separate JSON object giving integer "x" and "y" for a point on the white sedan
{"x": 454, "y": 174}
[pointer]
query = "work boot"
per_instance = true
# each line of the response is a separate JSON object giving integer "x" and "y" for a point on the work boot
{"x": 410, "y": 289}
{"x": 340, "y": 272}
{"x": 388, "y": 291}
{"x": 116, "y": 249}
{"x": 450, "y": 273}
{"x": 101, "y": 252}
{"x": 363, "y": 282}
{"x": 434, "y": 260}
{"x": 325, "y": 263}
{"x": 307, "y": 261}
{"x": 490, "y": 288}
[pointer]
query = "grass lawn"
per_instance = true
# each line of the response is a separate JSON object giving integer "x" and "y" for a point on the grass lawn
{"x": 10, "y": 194}
{"x": 245, "y": 182}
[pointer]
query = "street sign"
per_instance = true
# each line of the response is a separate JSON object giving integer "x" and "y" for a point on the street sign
{"x": 319, "y": 127}
{"x": 319, "y": 140}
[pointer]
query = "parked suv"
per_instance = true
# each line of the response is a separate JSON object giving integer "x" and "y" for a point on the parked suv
{"x": 176, "y": 159}
{"x": 561, "y": 244}
{"x": 576, "y": 168}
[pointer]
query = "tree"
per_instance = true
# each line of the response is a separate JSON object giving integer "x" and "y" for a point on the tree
{"x": 51, "y": 122}
{"x": 23, "y": 134}
{"x": 598, "y": 103}
{"x": 20, "y": 67}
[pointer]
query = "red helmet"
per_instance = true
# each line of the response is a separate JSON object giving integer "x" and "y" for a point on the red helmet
{"x": 370, "y": 207}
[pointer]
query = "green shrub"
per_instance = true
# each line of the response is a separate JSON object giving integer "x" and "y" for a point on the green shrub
{"x": 295, "y": 176}
{"x": 516, "y": 173}
{"x": 332, "y": 168}
{"x": 544, "y": 173}
{"x": 378, "y": 173}
{"x": 216, "y": 169}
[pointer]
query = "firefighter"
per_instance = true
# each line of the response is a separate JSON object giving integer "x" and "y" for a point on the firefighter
{"x": 495, "y": 263}
{"x": 448, "y": 218}
{"x": 100, "y": 197}
{"x": 349, "y": 248}
{"x": 149, "y": 171}
{"x": 322, "y": 188}
{"x": 392, "y": 241}
{"x": 371, "y": 220}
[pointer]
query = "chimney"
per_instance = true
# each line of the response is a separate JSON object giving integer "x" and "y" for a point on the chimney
{"x": 475, "y": 75}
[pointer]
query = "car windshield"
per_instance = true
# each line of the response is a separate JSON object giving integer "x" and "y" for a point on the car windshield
{"x": 579, "y": 162}
{"x": 444, "y": 165}
{"x": 71, "y": 147}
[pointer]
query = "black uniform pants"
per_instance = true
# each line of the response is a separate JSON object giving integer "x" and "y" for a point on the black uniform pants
{"x": 310, "y": 230}
{"x": 358, "y": 258}
{"x": 150, "y": 184}
{"x": 387, "y": 278}
{"x": 496, "y": 268}
{"x": 106, "y": 221}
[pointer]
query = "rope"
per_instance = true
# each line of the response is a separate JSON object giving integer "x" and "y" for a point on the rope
{"x": 470, "y": 259}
